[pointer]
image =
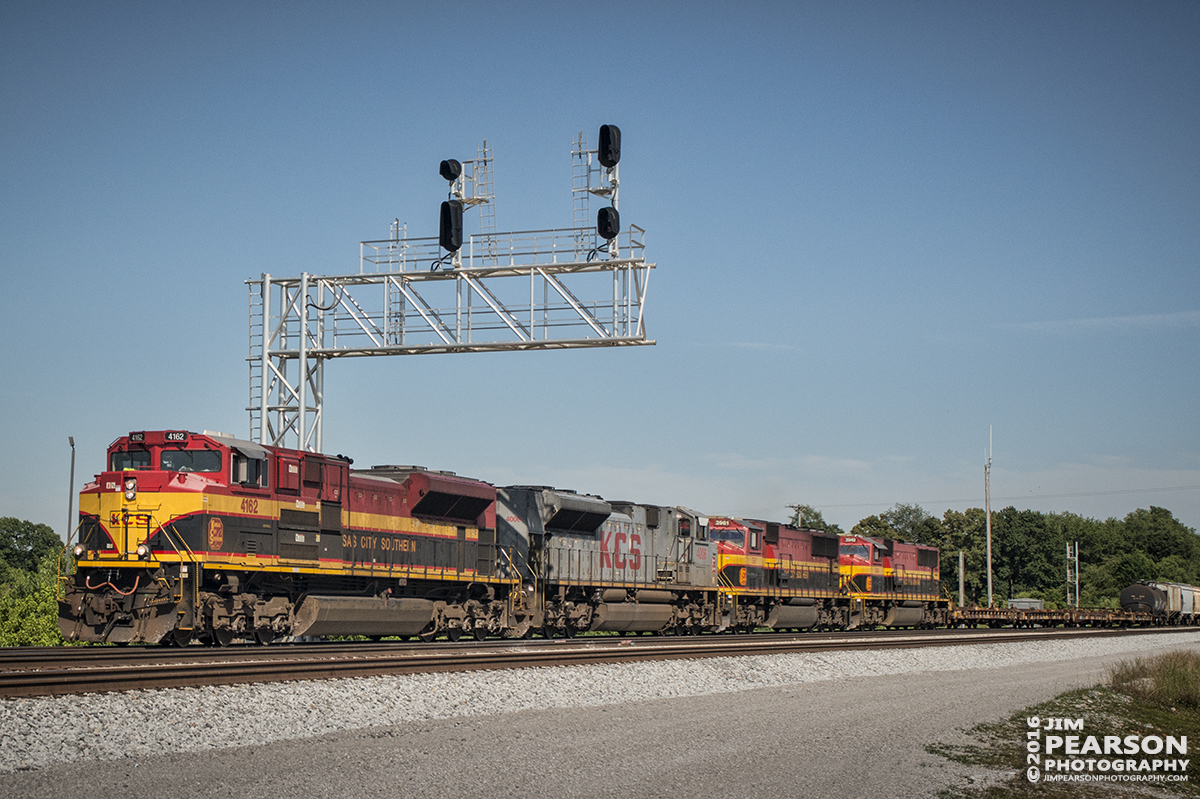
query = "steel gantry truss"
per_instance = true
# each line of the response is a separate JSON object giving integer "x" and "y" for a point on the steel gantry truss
{"x": 526, "y": 290}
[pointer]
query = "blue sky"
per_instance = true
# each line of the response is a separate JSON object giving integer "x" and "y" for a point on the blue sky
{"x": 880, "y": 228}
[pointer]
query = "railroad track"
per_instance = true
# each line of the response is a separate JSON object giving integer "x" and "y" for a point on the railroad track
{"x": 78, "y": 670}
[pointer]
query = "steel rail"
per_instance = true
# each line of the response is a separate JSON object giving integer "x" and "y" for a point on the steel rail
{"x": 231, "y": 666}
{"x": 53, "y": 657}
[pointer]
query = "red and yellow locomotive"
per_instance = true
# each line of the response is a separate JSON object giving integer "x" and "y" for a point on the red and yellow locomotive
{"x": 892, "y": 583}
{"x": 786, "y": 577}
{"x": 206, "y": 536}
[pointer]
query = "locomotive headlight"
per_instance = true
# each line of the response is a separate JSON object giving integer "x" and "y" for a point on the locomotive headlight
{"x": 130, "y": 488}
{"x": 142, "y": 550}
{"x": 79, "y": 550}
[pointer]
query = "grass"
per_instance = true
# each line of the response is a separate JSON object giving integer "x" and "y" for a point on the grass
{"x": 1172, "y": 680}
{"x": 1158, "y": 696}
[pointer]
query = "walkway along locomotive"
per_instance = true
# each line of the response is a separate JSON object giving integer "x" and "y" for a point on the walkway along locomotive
{"x": 206, "y": 537}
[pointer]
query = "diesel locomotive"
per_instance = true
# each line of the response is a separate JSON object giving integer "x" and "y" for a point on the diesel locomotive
{"x": 205, "y": 537}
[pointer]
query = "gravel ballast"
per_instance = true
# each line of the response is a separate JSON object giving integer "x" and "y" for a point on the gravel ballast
{"x": 36, "y": 733}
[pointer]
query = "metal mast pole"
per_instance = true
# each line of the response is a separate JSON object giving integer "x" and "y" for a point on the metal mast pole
{"x": 987, "y": 499}
{"x": 71, "y": 492}
{"x": 1076, "y": 574}
{"x": 962, "y": 601}
{"x": 1068, "y": 574}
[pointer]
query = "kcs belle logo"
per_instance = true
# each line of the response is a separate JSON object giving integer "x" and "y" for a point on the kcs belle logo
{"x": 216, "y": 534}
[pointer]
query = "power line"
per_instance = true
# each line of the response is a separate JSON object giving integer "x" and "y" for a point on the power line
{"x": 1020, "y": 497}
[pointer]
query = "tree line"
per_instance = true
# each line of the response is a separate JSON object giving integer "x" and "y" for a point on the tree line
{"x": 1029, "y": 550}
{"x": 29, "y": 568}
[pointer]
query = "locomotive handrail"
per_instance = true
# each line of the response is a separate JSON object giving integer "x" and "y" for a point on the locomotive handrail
{"x": 516, "y": 588}
{"x": 195, "y": 578}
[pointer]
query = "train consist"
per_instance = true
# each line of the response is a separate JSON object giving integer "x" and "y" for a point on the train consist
{"x": 204, "y": 537}
{"x": 1167, "y": 603}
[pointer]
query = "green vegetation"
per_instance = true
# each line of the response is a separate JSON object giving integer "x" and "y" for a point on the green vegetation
{"x": 1029, "y": 551}
{"x": 810, "y": 517}
{"x": 29, "y": 567}
{"x": 1156, "y": 697}
{"x": 1171, "y": 681}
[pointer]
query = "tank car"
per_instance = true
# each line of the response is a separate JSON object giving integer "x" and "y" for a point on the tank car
{"x": 1168, "y": 603}
{"x": 1143, "y": 598}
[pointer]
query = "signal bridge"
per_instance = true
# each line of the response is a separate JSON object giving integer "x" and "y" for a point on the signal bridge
{"x": 564, "y": 288}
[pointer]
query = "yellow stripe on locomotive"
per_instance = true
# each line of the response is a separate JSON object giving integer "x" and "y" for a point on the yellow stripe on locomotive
{"x": 187, "y": 520}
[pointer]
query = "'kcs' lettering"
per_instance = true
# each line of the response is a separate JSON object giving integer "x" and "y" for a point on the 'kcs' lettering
{"x": 620, "y": 551}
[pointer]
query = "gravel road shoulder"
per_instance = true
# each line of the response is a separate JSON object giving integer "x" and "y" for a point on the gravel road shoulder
{"x": 839, "y": 724}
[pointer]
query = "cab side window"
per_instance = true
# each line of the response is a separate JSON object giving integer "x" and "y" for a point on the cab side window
{"x": 251, "y": 472}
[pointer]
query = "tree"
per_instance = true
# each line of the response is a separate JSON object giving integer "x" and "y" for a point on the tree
{"x": 965, "y": 531}
{"x": 29, "y": 606}
{"x": 1159, "y": 534}
{"x": 1026, "y": 550}
{"x": 810, "y": 517}
{"x": 905, "y": 519}
{"x": 874, "y": 527}
{"x": 23, "y": 545}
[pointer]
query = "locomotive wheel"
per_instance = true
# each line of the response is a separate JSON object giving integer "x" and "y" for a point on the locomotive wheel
{"x": 454, "y": 633}
{"x": 549, "y": 631}
{"x": 179, "y": 638}
{"x": 264, "y": 635}
{"x": 223, "y": 636}
{"x": 480, "y": 633}
{"x": 428, "y": 636}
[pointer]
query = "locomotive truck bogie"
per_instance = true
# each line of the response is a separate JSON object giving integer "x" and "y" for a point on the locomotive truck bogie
{"x": 203, "y": 537}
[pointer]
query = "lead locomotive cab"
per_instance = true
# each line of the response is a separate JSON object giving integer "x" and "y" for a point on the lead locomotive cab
{"x": 145, "y": 525}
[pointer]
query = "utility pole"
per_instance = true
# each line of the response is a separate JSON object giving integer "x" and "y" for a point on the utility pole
{"x": 71, "y": 493}
{"x": 987, "y": 499}
{"x": 962, "y": 601}
{"x": 1072, "y": 572}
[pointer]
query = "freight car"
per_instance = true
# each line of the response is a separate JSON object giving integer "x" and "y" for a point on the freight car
{"x": 1167, "y": 603}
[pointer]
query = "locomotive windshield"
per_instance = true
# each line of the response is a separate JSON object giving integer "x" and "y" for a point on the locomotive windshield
{"x": 856, "y": 551}
{"x": 191, "y": 460}
{"x": 733, "y": 536}
{"x": 133, "y": 459}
